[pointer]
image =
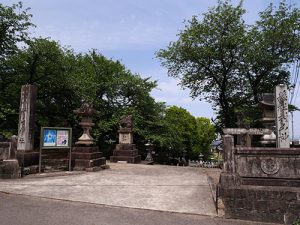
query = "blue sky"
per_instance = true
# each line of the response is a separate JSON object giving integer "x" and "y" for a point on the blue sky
{"x": 131, "y": 31}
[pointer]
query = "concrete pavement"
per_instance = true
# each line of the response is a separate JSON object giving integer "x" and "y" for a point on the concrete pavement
{"x": 162, "y": 188}
{"x": 124, "y": 194}
{"x": 28, "y": 210}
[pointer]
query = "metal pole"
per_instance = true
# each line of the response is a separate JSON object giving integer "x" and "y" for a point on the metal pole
{"x": 292, "y": 113}
{"x": 70, "y": 154}
{"x": 40, "y": 156}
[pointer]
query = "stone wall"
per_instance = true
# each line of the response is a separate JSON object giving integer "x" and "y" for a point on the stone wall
{"x": 4, "y": 150}
{"x": 9, "y": 166}
{"x": 260, "y": 184}
{"x": 261, "y": 203}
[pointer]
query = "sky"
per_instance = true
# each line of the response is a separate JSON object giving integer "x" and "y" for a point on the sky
{"x": 131, "y": 31}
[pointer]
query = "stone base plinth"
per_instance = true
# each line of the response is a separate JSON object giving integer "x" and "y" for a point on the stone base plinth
{"x": 9, "y": 169}
{"x": 128, "y": 159}
{"x": 126, "y": 152}
{"x": 87, "y": 158}
{"x": 55, "y": 160}
{"x": 27, "y": 158}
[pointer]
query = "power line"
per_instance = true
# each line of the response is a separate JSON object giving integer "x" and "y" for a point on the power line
{"x": 296, "y": 83}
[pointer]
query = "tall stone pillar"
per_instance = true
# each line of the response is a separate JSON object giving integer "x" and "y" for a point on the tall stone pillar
{"x": 282, "y": 117}
{"x": 229, "y": 166}
{"x": 25, "y": 154}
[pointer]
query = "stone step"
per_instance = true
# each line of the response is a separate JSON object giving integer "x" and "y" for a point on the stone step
{"x": 125, "y": 147}
{"x": 125, "y": 152}
{"x": 94, "y": 155}
{"x": 128, "y": 159}
{"x": 85, "y": 149}
{"x": 86, "y": 163}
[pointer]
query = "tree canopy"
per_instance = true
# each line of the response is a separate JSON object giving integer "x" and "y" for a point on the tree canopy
{"x": 229, "y": 63}
{"x": 65, "y": 79}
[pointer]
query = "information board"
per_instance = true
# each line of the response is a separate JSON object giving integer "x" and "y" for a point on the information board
{"x": 55, "y": 138}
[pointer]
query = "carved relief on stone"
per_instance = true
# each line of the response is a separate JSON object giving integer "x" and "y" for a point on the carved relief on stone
{"x": 269, "y": 166}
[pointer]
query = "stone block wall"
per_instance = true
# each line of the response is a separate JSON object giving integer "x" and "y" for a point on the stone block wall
{"x": 260, "y": 184}
{"x": 258, "y": 203}
{"x": 4, "y": 150}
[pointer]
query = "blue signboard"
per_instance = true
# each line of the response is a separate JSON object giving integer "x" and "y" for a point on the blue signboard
{"x": 56, "y": 137}
{"x": 50, "y": 136}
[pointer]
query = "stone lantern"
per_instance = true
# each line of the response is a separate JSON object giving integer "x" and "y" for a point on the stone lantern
{"x": 149, "y": 147}
{"x": 86, "y": 112}
{"x": 86, "y": 155}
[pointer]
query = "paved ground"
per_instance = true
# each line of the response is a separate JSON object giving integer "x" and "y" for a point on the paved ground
{"x": 162, "y": 188}
{"x": 124, "y": 194}
{"x": 27, "y": 210}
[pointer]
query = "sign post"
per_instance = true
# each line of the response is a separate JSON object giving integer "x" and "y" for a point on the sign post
{"x": 55, "y": 138}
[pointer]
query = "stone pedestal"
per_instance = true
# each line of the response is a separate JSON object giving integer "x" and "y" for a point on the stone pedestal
{"x": 126, "y": 150}
{"x": 87, "y": 158}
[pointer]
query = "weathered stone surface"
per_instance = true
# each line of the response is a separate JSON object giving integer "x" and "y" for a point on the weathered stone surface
{"x": 282, "y": 117}
{"x": 128, "y": 159}
{"x": 4, "y": 150}
{"x": 268, "y": 162}
{"x": 250, "y": 131}
{"x": 126, "y": 153}
{"x": 26, "y": 117}
{"x": 126, "y": 150}
{"x": 229, "y": 166}
{"x": 85, "y": 155}
{"x": 260, "y": 184}
{"x": 87, "y": 158}
{"x": 266, "y": 204}
{"x": 9, "y": 169}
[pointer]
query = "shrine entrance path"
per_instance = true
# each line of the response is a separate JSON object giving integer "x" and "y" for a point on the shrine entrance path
{"x": 153, "y": 187}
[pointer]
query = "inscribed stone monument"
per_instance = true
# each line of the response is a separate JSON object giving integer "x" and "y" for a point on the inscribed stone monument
{"x": 281, "y": 112}
{"x": 25, "y": 154}
{"x": 26, "y": 117}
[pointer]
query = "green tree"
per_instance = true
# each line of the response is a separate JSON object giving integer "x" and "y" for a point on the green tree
{"x": 228, "y": 63}
{"x": 181, "y": 132}
{"x": 115, "y": 91}
{"x": 47, "y": 65}
{"x": 271, "y": 43}
{"x": 14, "y": 25}
{"x": 206, "y": 135}
{"x": 206, "y": 57}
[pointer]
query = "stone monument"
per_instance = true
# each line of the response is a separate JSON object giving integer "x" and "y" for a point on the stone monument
{"x": 86, "y": 155}
{"x": 25, "y": 151}
{"x": 282, "y": 117}
{"x": 126, "y": 150}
